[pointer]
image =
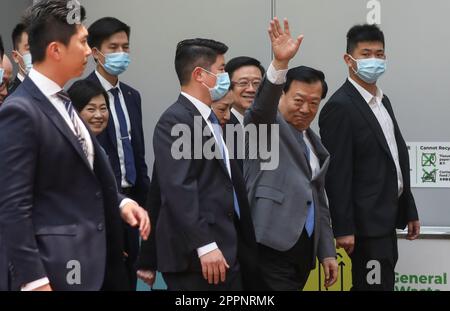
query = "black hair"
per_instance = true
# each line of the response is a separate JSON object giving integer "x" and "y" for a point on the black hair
{"x": 50, "y": 21}
{"x": 363, "y": 33}
{"x": 2, "y": 49}
{"x": 192, "y": 53}
{"x": 104, "y": 28}
{"x": 16, "y": 35}
{"x": 242, "y": 61}
{"x": 308, "y": 75}
{"x": 82, "y": 91}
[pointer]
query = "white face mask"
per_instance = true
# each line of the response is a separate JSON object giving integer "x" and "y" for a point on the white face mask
{"x": 27, "y": 60}
{"x": 369, "y": 69}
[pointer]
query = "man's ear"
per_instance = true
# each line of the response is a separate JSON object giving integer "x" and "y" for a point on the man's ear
{"x": 282, "y": 99}
{"x": 348, "y": 61}
{"x": 95, "y": 54}
{"x": 15, "y": 56}
{"x": 54, "y": 51}
{"x": 197, "y": 74}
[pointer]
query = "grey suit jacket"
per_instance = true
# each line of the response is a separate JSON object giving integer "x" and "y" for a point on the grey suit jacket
{"x": 279, "y": 198}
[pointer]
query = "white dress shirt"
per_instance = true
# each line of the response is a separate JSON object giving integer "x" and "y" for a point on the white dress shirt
{"x": 314, "y": 162}
{"x": 108, "y": 86}
{"x": 238, "y": 116}
{"x": 386, "y": 124}
{"x": 50, "y": 88}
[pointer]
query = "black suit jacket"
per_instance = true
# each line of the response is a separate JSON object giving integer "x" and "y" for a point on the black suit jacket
{"x": 238, "y": 156}
{"x": 14, "y": 85}
{"x": 147, "y": 259}
{"x": 196, "y": 203}
{"x": 54, "y": 209}
{"x": 362, "y": 178}
{"x": 108, "y": 141}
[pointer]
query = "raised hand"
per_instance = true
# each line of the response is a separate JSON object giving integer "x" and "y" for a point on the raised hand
{"x": 283, "y": 45}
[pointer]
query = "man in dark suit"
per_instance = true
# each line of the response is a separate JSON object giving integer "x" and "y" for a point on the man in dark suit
{"x": 368, "y": 182}
{"x": 60, "y": 212}
{"x": 288, "y": 201}
{"x": 204, "y": 234}
{"x": 246, "y": 75}
{"x": 123, "y": 139}
{"x": 21, "y": 55}
{"x": 3, "y": 260}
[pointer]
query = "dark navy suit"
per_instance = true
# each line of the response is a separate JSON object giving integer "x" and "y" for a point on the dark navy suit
{"x": 54, "y": 208}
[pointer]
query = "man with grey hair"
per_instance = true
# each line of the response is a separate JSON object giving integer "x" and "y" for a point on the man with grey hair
{"x": 288, "y": 203}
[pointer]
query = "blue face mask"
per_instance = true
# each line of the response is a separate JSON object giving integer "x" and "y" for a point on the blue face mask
{"x": 28, "y": 62}
{"x": 222, "y": 85}
{"x": 116, "y": 63}
{"x": 2, "y": 72}
{"x": 370, "y": 69}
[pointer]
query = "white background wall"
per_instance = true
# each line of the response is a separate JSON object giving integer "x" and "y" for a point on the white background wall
{"x": 417, "y": 45}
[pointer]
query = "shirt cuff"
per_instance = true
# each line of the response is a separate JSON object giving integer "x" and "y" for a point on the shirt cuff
{"x": 125, "y": 202}
{"x": 36, "y": 284}
{"x": 276, "y": 77}
{"x": 206, "y": 249}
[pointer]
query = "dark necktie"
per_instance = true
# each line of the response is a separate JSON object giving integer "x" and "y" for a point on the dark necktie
{"x": 130, "y": 168}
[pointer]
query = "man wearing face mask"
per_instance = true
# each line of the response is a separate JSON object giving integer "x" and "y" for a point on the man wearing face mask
{"x": 21, "y": 55}
{"x": 123, "y": 139}
{"x": 368, "y": 182}
{"x": 3, "y": 80}
{"x": 204, "y": 233}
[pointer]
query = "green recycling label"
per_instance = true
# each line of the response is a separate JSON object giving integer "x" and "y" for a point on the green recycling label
{"x": 430, "y": 164}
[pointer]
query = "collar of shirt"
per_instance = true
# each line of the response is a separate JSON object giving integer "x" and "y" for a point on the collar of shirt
{"x": 105, "y": 83}
{"x": 238, "y": 116}
{"x": 203, "y": 108}
{"x": 20, "y": 77}
{"x": 45, "y": 85}
{"x": 366, "y": 95}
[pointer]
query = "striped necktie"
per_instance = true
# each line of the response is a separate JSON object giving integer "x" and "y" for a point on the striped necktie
{"x": 75, "y": 121}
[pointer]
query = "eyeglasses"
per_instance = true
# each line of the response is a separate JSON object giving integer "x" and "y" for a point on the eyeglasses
{"x": 246, "y": 84}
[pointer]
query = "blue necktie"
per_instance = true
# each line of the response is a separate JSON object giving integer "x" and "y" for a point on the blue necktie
{"x": 218, "y": 131}
{"x": 130, "y": 168}
{"x": 309, "y": 224}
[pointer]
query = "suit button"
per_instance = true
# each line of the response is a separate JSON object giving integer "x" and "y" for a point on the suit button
{"x": 230, "y": 215}
{"x": 100, "y": 227}
{"x": 98, "y": 195}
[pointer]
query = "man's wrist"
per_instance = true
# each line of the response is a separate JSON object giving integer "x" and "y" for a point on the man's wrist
{"x": 280, "y": 65}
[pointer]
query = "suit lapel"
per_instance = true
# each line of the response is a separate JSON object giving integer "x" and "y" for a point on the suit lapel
{"x": 50, "y": 111}
{"x": 368, "y": 114}
{"x": 194, "y": 111}
{"x": 320, "y": 151}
